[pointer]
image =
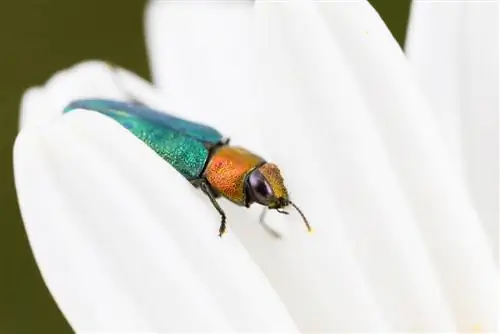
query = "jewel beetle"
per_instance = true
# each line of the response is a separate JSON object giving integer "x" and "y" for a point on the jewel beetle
{"x": 203, "y": 156}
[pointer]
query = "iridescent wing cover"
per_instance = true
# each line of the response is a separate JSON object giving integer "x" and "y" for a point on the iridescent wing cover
{"x": 181, "y": 143}
{"x": 192, "y": 129}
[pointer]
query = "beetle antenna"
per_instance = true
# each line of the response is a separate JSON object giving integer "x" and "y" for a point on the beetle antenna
{"x": 309, "y": 229}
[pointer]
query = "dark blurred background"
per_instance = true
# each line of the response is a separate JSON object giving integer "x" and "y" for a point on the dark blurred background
{"x": 39, "y": 37}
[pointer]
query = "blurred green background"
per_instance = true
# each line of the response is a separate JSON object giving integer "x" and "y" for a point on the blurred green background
{"x": 39, "y": 37}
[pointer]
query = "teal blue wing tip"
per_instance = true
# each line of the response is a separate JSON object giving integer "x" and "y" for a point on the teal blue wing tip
{"x": 106, "y": 106}
{"x": 90, "y": 104}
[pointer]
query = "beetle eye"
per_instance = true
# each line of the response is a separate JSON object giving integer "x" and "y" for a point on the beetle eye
{"x": 260, "y": 189}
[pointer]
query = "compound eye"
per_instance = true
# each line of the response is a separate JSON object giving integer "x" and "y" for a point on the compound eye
{"x": 260, "y": 189}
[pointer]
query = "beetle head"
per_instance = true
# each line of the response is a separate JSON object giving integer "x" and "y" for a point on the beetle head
{"x": 265, "y": 186}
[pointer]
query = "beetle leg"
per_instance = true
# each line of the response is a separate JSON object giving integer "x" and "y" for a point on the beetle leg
{"x": 205, "y": 187}
{"x": 266, "y": 227}
{"x": 196, "y": 182}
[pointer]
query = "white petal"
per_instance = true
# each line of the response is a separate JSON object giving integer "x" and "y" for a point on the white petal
{"x": 87, "y": 79}
{"x": 446, "y": 217}
{"x": 454, "y": 48}
{"x": 217, "y": 88}
{"x": 324, "y": 90}
{"x": 123, "y": 242}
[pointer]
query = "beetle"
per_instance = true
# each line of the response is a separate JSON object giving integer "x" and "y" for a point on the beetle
{"x": 203, "y": 156}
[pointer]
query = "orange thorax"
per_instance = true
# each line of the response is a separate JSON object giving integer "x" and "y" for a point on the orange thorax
{"x": 227, "y": 171}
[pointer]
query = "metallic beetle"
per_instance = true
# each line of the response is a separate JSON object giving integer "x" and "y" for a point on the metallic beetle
{"x": 202, "y": 155}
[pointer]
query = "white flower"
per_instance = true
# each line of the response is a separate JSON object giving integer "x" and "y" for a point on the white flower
{"x": 321, "y": 88}
{"x": 454, "y": 45}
